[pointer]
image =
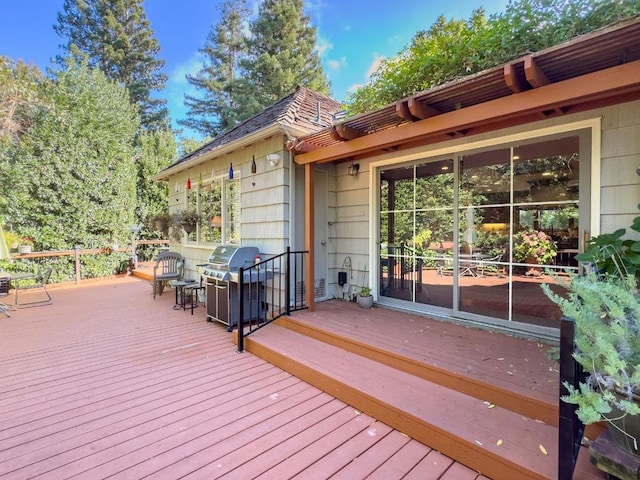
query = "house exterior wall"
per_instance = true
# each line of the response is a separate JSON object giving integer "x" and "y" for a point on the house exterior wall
{"x": 264, "y": 199}
{"x": 617, "y": 182}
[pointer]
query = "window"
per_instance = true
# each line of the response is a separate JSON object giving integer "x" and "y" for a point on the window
{"x": 218, "y": 204}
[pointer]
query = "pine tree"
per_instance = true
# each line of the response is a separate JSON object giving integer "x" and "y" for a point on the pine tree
{"x": 116, "y": 37}
{"x": 282, "y": 56}
{"x": 217, "y": 110}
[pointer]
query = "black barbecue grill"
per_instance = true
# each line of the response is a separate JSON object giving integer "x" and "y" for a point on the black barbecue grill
{"x": 222, "y": 284}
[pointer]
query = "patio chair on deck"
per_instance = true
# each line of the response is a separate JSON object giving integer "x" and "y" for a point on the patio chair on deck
{"x": 41, "y": 281}
{"x": 169, "y": 266}
{"x": 4, "y": 292}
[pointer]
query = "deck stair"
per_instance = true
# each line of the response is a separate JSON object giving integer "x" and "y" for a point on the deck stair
{"x": 499, "y": 432}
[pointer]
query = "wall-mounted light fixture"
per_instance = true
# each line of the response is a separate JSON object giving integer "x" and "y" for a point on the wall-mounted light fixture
{"x": 274, "y": 159}
{"x": 353, "y": 169}
{"x": 253, "y": 165}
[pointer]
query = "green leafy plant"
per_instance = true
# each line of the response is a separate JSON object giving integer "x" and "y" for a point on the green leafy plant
{"x": 183, "y": 220}
{"x": 610, "y": 254}
{"x": 606, "y": 312}
{"x": 365, "y": 292}
{"x": 534, "y": 244}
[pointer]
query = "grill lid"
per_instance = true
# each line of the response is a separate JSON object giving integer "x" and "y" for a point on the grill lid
{"x": 232, "y": 257}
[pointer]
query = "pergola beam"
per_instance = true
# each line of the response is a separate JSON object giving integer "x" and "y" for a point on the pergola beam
{"x": 614, "y": 81}
{"x": 534, "y": 74}
{"x": 343, "y": 132}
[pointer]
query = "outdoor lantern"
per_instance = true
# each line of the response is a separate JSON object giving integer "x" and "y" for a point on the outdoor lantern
{"x": 231, "y": 171}
{"x": 353, "y": 169}
{"x": 253, "y": 165}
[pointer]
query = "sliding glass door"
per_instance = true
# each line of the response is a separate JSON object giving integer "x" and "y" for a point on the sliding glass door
{"x": 473, "y": 235}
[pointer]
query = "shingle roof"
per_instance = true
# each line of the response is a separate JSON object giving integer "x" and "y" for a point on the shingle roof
{"x": 303, "y": 109}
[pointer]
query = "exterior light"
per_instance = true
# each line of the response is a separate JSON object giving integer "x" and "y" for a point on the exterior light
{"x": 353, "y": 169}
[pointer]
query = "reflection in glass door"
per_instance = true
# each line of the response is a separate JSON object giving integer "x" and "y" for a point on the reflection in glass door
{"x": 476, "y": 235}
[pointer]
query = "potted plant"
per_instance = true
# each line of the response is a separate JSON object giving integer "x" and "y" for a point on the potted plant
{"x": 533, "y": 247}
{"x": 186, "y": 220}
{"x": 161, "y": 222}
{"x": 26, "y": 245}
{"x": 364, "y": 298}
{"x": 606, "y": 313}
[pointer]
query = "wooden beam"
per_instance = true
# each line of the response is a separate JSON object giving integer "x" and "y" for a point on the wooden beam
{"x": 614, "y": 81}
{"x": 402, "y": 110}
{"x": 534, "y": 74}
{"x": 513, "y": 80}
{"x": 421, "y": 110}
{"x": 343, "y": 132}
{"x": 309, "y": 235}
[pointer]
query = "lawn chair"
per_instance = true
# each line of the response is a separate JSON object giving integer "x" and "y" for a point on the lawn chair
{"x": 41, "y": 281}
{"x": 169, "y": 266}
{"x": 4, "y": 292}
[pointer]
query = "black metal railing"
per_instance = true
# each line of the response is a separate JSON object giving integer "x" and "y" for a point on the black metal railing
{"x": 271, "y": 289}
{"x": 570, "y": 428}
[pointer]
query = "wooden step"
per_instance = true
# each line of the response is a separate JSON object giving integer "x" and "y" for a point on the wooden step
{"x": 493, "y": 440}
{"x": 502, "y": 394}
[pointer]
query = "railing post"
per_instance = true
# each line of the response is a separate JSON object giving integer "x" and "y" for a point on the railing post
{"x": 240, "y": 311}
{"x": 570, "y": 428}
{"x": 77, "y": 254}
{"x": 287, "y": 287}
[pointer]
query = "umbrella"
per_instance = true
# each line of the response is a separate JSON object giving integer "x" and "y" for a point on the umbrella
{"x": 470, "y": 235}
{"x": 4, "y": 249}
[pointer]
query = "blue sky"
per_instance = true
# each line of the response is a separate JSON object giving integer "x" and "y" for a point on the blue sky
{"x": 353, "y": 35}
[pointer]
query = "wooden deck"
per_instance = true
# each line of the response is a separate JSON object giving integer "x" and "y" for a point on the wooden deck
{"x": 108, "y": 383}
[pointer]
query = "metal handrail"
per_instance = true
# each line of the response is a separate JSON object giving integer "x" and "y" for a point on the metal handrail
{"x": 269, "y": 291}
{"x": 570, "y": 428}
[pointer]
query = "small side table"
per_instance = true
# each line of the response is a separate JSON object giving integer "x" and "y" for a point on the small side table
{"x": 193, "y": 292}
{"x": 179, "y": 286}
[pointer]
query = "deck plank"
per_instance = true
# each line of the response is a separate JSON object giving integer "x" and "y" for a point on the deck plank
{"x": 107, "y": 381}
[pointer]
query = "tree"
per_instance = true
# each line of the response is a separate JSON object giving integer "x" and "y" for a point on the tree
{"x": 217, "y": 110}
{"x": 451, "y": 49}
{"x": 282, "y": 56}
{"x": 20, "y": 96}
{"x": 73, "y": 176}
{"x": 157, "y": 150}
{"x": 116, "y": 37}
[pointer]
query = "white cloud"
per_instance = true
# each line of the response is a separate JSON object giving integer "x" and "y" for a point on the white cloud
{"x": 336, "y": 65}
{"x": 354, "y": 87}
{"x": 323, "y": 46}
{"x": 377, "y": 60}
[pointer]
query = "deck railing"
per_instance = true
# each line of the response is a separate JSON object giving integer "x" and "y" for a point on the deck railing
{"x": 274, "y": 288}
{"x": 570, "y": 428}
{"x": 70, "y": 270}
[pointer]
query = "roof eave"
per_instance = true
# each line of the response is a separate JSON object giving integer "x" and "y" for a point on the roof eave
{"x": 258, "y": 135}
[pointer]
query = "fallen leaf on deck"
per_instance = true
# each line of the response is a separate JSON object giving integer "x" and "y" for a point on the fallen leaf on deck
{"x": 479, "y": 442}
{"x": 499, "y": 442}
{"x": 542, "y": 449}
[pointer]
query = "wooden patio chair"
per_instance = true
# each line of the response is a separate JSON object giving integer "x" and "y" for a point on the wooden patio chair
{"x": 169, "y": 266}
{"x": 41, "y": 281}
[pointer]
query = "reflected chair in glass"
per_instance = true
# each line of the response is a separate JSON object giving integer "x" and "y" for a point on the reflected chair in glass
{"x": 40, "y": 282}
